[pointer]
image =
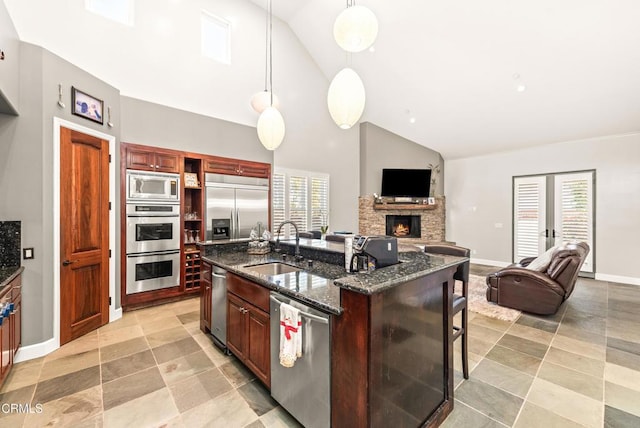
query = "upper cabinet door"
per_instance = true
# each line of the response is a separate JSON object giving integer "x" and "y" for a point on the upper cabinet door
{"x": 140, "y": 159}
{"x": 237, "y": 167}
{"x": 149, "y": 160}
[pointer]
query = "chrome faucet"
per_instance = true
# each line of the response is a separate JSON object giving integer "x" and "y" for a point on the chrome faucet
{"x": 297, "y": 256}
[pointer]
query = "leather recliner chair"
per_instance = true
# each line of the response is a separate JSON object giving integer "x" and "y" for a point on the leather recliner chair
{"x": 539, "y": 285}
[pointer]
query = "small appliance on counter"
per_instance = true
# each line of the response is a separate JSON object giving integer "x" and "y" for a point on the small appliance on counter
{"x": 373, "y": 252}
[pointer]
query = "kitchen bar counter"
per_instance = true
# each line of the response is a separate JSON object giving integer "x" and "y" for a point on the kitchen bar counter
{"x": 319, "y": 284}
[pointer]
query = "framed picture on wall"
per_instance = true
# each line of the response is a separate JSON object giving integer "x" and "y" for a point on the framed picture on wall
{"x": 83, "y": 104}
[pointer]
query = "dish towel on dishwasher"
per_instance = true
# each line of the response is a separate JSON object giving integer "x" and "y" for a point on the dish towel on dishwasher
{"x": 290, "y": 335}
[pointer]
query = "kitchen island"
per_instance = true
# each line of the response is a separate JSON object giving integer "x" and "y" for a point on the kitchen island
{"x": 390, "y": 349}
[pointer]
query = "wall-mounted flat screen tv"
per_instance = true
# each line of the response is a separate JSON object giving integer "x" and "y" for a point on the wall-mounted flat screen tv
{"x": 412, "y": 183}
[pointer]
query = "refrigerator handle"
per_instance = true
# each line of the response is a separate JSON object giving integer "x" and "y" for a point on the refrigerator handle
{"x": 237, "y": 223}
{"x": 233, "y": 226}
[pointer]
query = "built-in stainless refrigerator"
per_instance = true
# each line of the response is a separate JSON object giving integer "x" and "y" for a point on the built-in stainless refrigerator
{"x": 235, "y": 205}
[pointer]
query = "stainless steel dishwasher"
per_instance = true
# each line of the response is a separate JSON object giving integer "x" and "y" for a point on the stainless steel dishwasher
{"x": 304, "y": 389}
{"x": 219, "y": 306}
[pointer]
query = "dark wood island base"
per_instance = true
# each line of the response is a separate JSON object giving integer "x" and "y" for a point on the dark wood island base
{"x": 392, "y": 357}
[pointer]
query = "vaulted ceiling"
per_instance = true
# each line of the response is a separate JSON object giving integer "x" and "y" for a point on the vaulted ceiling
{"x": 455, "y": 66}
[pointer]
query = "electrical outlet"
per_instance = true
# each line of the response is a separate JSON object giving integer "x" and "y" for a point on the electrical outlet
{"x": 498, "y": 225}
{"x": 474, "y": 251}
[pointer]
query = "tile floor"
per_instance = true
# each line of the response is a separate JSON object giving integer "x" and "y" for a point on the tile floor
{"x": 152, "y": 368}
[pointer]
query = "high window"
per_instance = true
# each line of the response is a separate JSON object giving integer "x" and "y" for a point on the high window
{"x": 216, "y": 38}
{"x": 116, "y": 10}
{"x": 300, "y": 196}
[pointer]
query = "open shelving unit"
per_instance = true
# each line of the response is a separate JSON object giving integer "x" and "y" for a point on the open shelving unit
{"x": 192, "y": 223}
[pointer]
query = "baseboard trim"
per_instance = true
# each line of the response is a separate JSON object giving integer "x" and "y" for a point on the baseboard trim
{"x": 115, "y": 315}
{"x": 37, "y": 350}
{"x": 489, "y": 262}
{"x": 617, "y": 278}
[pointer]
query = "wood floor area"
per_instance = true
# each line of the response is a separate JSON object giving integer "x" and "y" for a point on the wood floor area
{"x": 154, "y": 367}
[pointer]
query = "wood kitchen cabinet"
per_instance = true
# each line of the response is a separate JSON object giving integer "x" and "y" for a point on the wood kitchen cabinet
{"x": 229, "y": 166}
{"x": 248, "y": 336}
{"x": 146, "y": 159}
{"x": 205, "y": 297}
{"x": 10, "y": 325}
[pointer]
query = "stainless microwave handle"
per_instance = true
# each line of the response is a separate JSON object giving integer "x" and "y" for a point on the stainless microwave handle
{"x": 305, "y": 314}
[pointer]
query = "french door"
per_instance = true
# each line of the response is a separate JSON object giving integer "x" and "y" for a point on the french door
{"x": 551, "y": 209}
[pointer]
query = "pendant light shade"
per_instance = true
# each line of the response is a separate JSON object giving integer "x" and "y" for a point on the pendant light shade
{"x": 355, "y": 29}
{"x": 346, "y": 98}
{"x": 271, "y": 128}
{"x": 261, "y": 100}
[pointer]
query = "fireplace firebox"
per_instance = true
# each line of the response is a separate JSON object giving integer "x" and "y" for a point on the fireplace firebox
{"x": 403, "y": 226}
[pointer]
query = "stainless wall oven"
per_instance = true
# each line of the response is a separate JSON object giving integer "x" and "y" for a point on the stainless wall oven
{"x": 153, "y": 246}
{"x": 153, "y": 271}
{"x": 152, "y": 227}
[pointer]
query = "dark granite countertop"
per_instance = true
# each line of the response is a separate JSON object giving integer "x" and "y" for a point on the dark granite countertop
{"x": 319, "y": 285}
{"x": 7, "y": 274}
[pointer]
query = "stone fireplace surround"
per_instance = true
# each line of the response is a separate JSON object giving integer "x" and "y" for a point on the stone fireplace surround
{"x": 373, "y": 221}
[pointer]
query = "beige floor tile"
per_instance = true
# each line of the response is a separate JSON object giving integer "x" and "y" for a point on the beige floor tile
{"x": 483, "y": 333}
{"x": 566, "y": 403}
{"x": 161, "y": 324}
{"x": 23, "y": 374}
{"x": 120, "y": 335}
{"x": 622, "y": 376}
{"x": 577, "y": 362}
{"x": 588, "y": 349}
{"x": 492, "y": 323}
{"x": 151, "y": 410}
{"x": 70, "y": 410}
{"x": 181, "y": 368}
{"x": 83, "y": 344}
{"x": 576, "y": 381}
{"x": 229, "y": 410}
{"x": 534, "y": 334}
{"x": 122, "y": 349}
{"x": 534, "y": 416}
{"x": 69, "y": 364}
{"x": 503, "y": 377}
{"x": 127, "y": 320}
{"x": 622, "y": 398}
{"x": 167, "y": 336}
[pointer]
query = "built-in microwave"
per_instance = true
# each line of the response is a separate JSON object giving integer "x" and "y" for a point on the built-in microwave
{"x": 152, "y": 187}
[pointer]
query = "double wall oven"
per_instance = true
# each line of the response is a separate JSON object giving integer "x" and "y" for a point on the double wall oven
{"x": 153, "y": 231}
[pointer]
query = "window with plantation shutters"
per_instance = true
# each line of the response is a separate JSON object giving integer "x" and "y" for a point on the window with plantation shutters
{"x": 278, "y": 200}
{"x": 553, "y": 209}
{"x": 300, "y": 196}
{"x": 529, "y": 216}
{"x": 319, "y": 202}
{"x": 574, "y": 210}
{"x": 298, "y": 201}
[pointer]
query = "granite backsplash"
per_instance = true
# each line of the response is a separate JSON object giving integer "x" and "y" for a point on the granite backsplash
{"x": 10, "y": 243}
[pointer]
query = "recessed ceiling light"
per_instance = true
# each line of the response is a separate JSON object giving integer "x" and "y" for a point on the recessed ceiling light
{"x": 412, "y": 120}
{"x": 521, "y": 88}
{"x": 372, "y": 49}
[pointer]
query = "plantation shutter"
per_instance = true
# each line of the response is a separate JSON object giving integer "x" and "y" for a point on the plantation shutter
{"x": 319, "y": 202}
{"x": 298, "y": 208}
{"x": 574, "y": 211}
{"x": 278, "y": 193}
{"x": 529, "y": 210}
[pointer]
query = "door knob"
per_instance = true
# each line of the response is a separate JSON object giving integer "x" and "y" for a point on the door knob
{"x": 68, "y": 262}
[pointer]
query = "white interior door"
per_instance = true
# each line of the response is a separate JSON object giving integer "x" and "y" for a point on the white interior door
{"x": 551, "y": 209}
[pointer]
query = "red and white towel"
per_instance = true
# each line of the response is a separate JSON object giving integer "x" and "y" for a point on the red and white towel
{"x": 290, "y": 335}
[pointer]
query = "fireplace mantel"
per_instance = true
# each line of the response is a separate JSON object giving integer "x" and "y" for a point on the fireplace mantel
{"x": 401, "y": 207}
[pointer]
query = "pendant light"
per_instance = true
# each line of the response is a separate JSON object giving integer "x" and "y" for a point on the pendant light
{"x": 261, "y": 100}
{"x": 346, "y": 98}
{"x": 356, "y": 28}
{"x": 270, "y": 123}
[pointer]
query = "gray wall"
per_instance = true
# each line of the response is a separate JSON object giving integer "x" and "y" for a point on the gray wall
{"x": 380, "y": 149}
{"x": 9, "y": 68}
{"x": 26, "y": 171}
{"x": 479, "y": 198}
{"x": 161, "y": 126}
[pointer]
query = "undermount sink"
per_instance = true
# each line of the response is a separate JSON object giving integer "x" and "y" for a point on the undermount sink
{"x": 273, "y": 268}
